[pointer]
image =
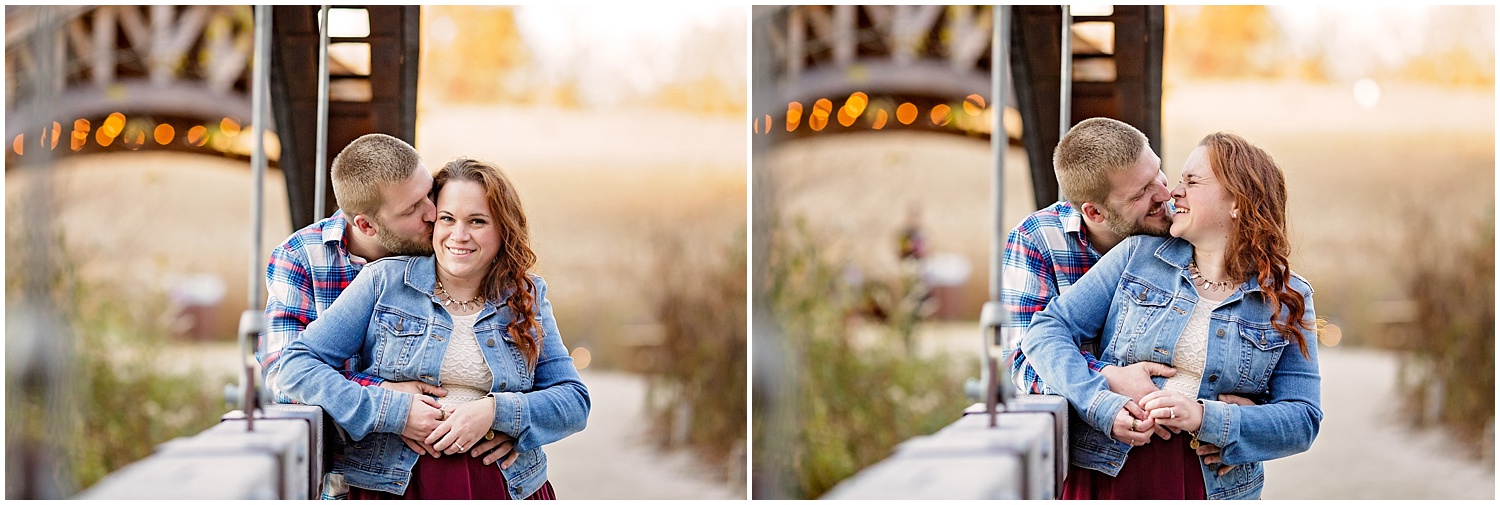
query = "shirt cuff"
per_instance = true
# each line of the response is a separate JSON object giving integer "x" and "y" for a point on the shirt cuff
{"x": 1218, "y": 423}
{"x": 362, "y": 379}
{"x": 395, "y": 407}
{"x": 1102, "y": 411}
{"x": 509, "y": 413}
{"x": 1094, "y": 363}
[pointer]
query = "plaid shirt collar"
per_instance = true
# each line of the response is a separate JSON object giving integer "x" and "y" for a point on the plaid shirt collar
{"x": 1072, "y": 224}
{"x": 334, "y": 230}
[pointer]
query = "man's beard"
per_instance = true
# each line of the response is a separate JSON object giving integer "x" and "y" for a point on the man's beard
{"x": 400, "y": 246}
{"x": 1118, "y": 226}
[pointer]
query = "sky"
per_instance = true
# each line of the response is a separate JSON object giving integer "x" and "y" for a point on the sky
{"x": 1358, "y": 38}
{"x": 620, "y": 50}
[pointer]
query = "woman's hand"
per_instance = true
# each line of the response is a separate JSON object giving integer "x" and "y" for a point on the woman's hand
{"x": 1172, "y": 409}
{"x": 464, "y": 427}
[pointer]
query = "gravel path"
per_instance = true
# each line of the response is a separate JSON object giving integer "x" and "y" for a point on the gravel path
{"x": 612, "y": 459}
{"x": 1364, "y": 452}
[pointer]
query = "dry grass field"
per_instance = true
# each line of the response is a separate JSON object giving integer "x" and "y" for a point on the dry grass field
{"x": 1357, "y": 180}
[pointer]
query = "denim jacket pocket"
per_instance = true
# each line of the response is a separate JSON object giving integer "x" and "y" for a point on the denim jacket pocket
{"x": 1243, "y": 482}
{"x": 398, "y": 336}
{"x": 1143, "y": 307}
{"x": 1260, "y": 349}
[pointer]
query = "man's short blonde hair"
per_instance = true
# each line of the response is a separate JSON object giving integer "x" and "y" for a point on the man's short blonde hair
{"x": 1090, "y": 153}
{"x": 365, "y": 166}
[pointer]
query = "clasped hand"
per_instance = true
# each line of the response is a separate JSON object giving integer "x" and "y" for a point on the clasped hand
{"x": 1164, "y": 413}
{"x": 437, "y": 430}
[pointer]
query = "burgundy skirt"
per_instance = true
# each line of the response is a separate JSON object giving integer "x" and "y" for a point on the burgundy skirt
{"x": 1160, "y": 470}
{"x": 453, "y": 477}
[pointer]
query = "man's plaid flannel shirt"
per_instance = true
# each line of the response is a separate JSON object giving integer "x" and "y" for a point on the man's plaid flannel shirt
{"x": 1044, "y": 256}
{"x": 306, "y": 273}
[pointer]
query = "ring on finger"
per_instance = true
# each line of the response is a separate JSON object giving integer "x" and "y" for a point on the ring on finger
{"x": 1135, "y": 424}
{"x": 1173, "y": 410}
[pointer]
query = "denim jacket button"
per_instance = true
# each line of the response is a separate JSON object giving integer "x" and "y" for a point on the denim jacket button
{"x": 1142, "y": 297}
{"x": 1220, "y": 332}
{"x": 398, "y": 326}
{"x": 502, "y": 384}
{"x": 1262, "y": 340}
{"x": 1213, "y": 377}
{"x": 490, "y": 342}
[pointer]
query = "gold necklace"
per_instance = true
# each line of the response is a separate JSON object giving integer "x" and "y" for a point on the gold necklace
{"x": 463, "y": 305}
{"x": 1200, "y": 281}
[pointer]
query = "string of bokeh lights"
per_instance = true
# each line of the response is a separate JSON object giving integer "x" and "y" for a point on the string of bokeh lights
{"x": 877, "y": 115}
{"x": 134, "y": 134}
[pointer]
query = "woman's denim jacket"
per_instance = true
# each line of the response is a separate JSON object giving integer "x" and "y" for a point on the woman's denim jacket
{"x": 392, "y": 324}
{"x": 1137, "y": 300}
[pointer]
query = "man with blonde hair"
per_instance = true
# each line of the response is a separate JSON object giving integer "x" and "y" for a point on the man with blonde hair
{"x": 381, "y": 187}
{"x": 385, "y": 209}
{"x": 1114, "y": 188}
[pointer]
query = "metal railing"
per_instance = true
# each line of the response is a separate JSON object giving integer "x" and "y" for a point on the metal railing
{"x": 1023, "y": 456}
{"x": 279, "y": 458}
{"x": 1010, "y": 446}
{"x": 261, "y": 451}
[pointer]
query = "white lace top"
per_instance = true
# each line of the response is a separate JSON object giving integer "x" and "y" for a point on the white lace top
{"x": 465, "y": 374}
{"x": 1191, "y": 353}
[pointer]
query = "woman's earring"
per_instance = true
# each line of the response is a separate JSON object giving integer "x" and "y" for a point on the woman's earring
{"x": 1234, "y": 213}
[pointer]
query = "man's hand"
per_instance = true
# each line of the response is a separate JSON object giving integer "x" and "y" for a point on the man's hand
{"x": 420, "y": 448}
{"x": 1209, "y": 452}
{"x": 1134, "y": 381}
{"x": 1132, "y": 426}
{"x": 425, "y": 416}
{"x": 417, "y": 388}
{"x": 1236, "y": 400}
{"x": 503, "y": 445}
{"x": 1210, "y": 455}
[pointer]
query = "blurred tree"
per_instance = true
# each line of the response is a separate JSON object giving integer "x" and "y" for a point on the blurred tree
{"x": 473, "y": 54}
{"x": 1229, "y": 41}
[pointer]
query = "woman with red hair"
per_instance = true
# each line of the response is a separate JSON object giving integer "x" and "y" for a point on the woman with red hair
{"x": 1219, "y": 302}
{"x": 471, "y": 318}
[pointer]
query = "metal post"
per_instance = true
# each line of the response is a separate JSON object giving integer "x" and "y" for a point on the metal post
{"x": 252, "y": 321}
{"x": 994, "y": 316}
{"x": 999, "y": 141}
{"x": 773, "y": 394}
{"x": 1065, "y": 96}
{"x": 41, "y": 343}
{"x": 320, "y": 163}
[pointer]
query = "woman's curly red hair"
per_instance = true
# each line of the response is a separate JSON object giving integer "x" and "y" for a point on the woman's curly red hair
{"x": 1258, "y": 243}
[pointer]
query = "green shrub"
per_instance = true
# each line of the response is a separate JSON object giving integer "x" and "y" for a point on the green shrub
{"x": 1450, "y": 363}
{"x": 843, "y": 405}
{"x": 115, "y": 402}
{"x": 697, "y": 394}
